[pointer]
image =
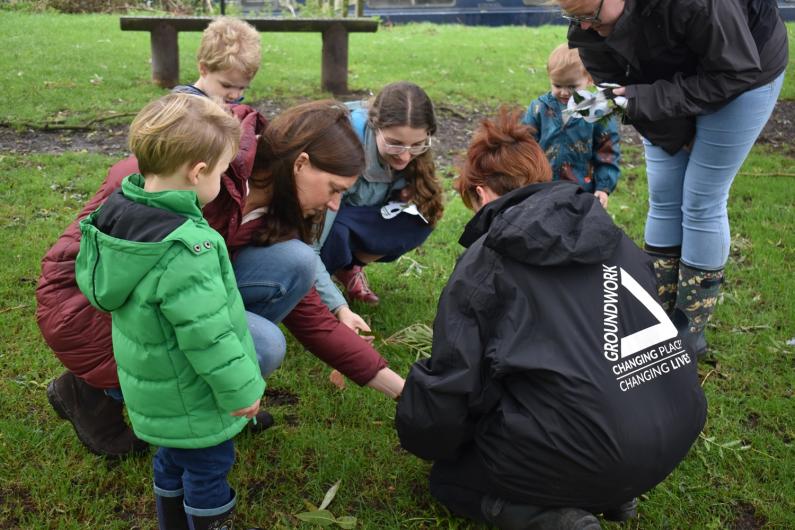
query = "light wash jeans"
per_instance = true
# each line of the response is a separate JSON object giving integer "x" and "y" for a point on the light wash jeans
{"x": 272, "y": 280}
{"x": 689, "y": 191}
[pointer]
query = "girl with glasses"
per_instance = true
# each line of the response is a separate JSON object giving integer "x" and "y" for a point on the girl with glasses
{"x": 396, "y": 130}
{"x": 701, "y": 78}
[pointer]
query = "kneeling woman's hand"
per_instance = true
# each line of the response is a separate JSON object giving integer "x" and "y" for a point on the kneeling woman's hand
{"x": 353, "y": 321}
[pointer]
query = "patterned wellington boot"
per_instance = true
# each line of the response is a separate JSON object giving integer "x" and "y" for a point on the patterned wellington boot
{"x": 695, "y": 302}
{"x": 666, "y": 269}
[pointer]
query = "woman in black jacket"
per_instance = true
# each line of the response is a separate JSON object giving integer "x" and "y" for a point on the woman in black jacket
{"x": 557, "y": 387}
{"x": 701, "y": 78}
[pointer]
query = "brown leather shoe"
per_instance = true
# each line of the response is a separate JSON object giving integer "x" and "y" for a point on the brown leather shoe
{"x": 97, "y": 418}
{"x": 355, "y": 283}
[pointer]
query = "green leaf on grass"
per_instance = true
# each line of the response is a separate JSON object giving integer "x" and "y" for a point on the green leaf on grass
{"x": 330, "y": 494}
{"x": 319, "y": 517}
{"x": 346, "y": 521}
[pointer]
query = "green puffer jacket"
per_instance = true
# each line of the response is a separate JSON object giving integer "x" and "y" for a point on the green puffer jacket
{"x": 185, "y": 356}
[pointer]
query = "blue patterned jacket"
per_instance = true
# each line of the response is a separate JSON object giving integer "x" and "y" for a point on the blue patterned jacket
{"x": 578, "y": 151}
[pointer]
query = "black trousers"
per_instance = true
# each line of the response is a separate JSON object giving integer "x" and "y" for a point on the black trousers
{"x": 462, "y": 484}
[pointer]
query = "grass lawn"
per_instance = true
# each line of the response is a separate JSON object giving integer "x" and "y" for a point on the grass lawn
{"x": 739, "y": 474}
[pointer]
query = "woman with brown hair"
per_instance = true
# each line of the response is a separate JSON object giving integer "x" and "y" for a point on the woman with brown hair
{"x": 557, "y": 387}
{"x": 374, "y": 222}
{"x": 272, "y": 195}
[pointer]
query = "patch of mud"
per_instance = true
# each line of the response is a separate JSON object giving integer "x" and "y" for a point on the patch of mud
{"x": 455, "y": 127}
{"x": 746, "y": 518}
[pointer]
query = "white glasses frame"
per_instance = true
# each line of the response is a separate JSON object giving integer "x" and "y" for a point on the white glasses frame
{"x": 399, "y": 149}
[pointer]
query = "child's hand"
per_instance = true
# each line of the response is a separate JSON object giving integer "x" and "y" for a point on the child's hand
{"x": 602, "y": 196}
{"x": 249, "y": 412}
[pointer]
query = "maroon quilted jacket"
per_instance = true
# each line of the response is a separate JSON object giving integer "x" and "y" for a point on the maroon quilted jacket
{"x": 81, "y": 336}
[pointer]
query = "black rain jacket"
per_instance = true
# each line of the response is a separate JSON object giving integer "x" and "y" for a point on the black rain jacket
{"x": 682, "y": 58}
{"x": 526, "y": 364}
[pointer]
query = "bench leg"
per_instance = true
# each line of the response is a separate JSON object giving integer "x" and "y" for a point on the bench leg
{"x": 334, "y": 67}
{"x": 165, "y": 56}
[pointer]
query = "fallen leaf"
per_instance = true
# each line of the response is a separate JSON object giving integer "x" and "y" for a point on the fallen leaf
{"x": 337, "y": 379}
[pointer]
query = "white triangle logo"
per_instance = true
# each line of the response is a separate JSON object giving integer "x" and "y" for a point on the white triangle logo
{"x": 655, "y": 334}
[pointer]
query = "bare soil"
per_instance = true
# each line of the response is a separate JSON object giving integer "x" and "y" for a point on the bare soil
{"x": 455, "y": 128}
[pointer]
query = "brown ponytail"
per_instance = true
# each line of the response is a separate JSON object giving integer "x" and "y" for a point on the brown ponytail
{"x": 502, "y": 155}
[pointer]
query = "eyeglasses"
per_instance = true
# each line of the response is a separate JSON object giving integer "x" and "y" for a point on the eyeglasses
{"x": 578, "y": 19}
{"x": 399, "y": 149}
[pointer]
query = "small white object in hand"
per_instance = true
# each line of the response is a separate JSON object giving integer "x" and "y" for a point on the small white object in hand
{"x": 392, "y": 209}
{"x": 593, "y": 106}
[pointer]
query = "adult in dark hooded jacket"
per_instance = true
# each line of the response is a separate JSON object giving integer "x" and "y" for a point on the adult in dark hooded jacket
{"x": 701, "y": 78}
{"x": 557, "y": 387}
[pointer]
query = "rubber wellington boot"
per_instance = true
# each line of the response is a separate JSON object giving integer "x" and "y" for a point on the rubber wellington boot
{"x": 221, "y": 521}
{"x": 666, "y": 269}
{"x": 97, "y": 418}
{"x": 696, "y": 299}
{"x": 171, "y": 511}
{"x": 510, "y": 516}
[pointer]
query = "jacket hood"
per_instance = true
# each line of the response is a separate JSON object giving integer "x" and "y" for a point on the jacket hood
{"x": 546, "y": 224}
{"x": 126, "y": 238}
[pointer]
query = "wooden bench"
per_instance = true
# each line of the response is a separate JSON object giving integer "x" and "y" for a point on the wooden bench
{"x": 334, "y": 67}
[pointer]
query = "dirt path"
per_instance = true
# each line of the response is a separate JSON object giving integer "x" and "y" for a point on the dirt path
{"x": 454, "y": 131}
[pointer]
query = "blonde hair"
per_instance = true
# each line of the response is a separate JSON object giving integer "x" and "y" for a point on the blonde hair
{"x": 180, "y": 129}
{"x": 229, "y": 43}
{"x": 562, "y": 59}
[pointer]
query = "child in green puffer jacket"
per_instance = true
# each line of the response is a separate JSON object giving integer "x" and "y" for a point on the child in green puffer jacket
{"x": 186, "y": 360}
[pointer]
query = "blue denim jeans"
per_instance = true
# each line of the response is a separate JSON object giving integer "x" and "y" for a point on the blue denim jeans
{"x": 689, "y": 191}
{"x": 200, "y": 474}
{"x": 271, "y": 281}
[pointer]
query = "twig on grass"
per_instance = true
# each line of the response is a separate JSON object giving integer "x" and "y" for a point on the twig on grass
{"x": 450, "y": 110}
{"x": 7, "y": 309}
{"x": 51, "y": 126}
{"x": 766, "y": 174}
{"x": 414, "y": 267}
{"x": 418, "y": 337}
{"x": 735, "y": 446}
{"x": 707, "y": 376}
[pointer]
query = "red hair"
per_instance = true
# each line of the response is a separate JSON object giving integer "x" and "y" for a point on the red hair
{"x": 502, "y": 156}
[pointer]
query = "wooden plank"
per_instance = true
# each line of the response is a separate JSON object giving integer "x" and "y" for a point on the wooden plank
{"x": 334, "y": 60}
{"x": 267, "y": 24}
{"x": 165, "y": 55}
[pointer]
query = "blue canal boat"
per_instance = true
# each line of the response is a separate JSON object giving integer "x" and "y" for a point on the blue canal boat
{"x": 468, "y": 12}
